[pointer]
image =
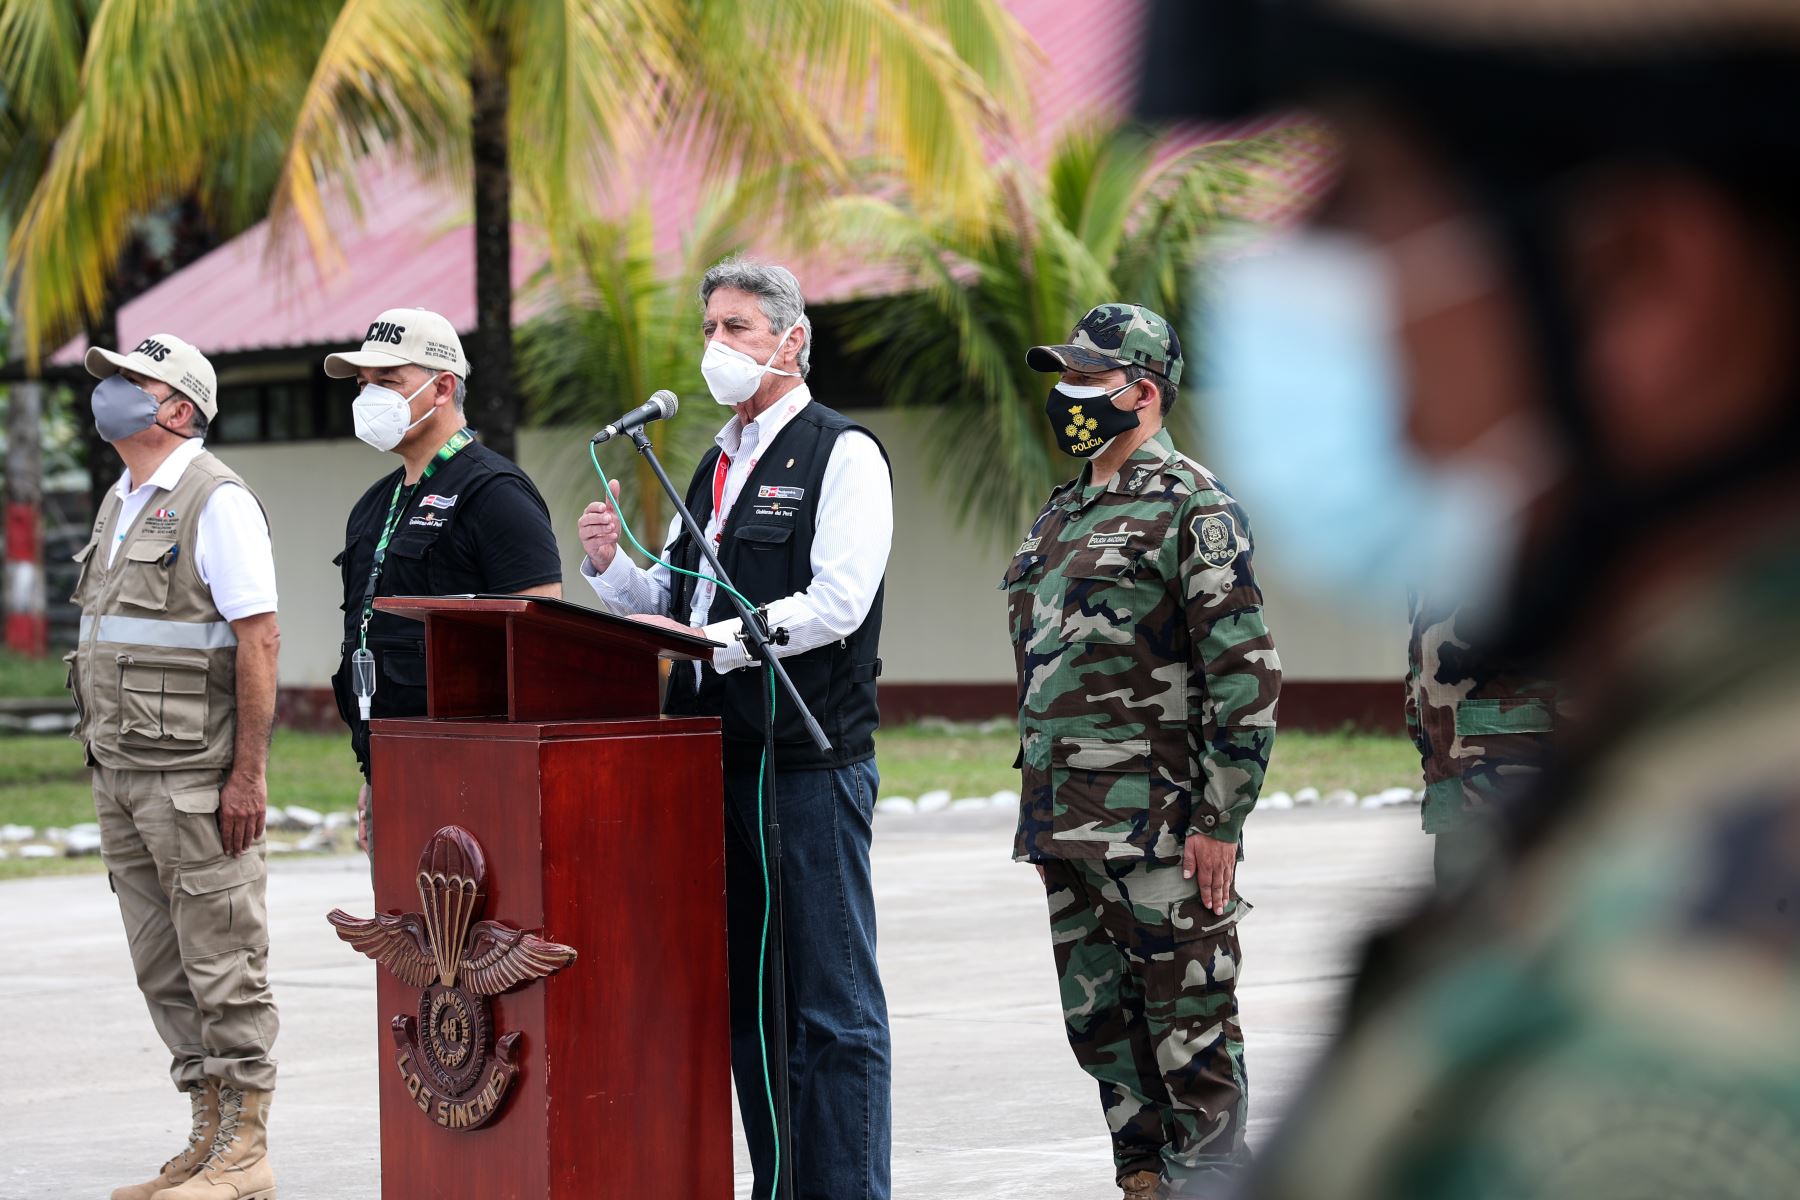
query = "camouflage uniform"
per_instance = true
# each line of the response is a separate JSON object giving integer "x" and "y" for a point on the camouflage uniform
{"x": 1616, "y": 1015}
{"x": 1147, "y": 689}
{"x": 1482, "y": 726}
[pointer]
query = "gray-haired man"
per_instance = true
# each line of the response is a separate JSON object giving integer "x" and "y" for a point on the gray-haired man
{"x": 798, "y": 503}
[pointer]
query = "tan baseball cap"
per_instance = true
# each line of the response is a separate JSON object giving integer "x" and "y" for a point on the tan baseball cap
{"x": 166, "y": 357}
{"x": 402, "y": 336}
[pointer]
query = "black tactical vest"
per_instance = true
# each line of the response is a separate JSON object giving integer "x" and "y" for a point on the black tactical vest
{"x": 766, "y": 549}
{"x": 413, "y": 567}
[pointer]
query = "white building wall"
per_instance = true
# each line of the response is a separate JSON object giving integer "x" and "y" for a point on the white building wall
{"x": 945, "y": 621}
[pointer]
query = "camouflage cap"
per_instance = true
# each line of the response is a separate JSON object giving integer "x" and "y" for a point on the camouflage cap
{"x": 1112, "y": 336}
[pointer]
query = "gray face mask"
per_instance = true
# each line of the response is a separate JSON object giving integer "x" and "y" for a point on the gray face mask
{"x": 122, "y": 409}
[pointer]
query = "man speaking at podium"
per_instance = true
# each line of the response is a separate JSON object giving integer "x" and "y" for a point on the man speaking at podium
{"x": 799, "y": 504}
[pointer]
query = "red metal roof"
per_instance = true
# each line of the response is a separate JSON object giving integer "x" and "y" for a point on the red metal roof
{"x": 414, "y": 243}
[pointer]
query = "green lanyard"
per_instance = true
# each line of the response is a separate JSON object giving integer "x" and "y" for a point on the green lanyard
{"x": 397, "y": 506}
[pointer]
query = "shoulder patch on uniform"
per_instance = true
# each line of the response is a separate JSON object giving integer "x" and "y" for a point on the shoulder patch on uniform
{"x": 1028, "y": 546}
{"x": 1216, "y": 536}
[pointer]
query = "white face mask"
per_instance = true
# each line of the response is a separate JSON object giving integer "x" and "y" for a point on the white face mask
{"x": 733, "y": 376}
{"x": 381, "y": 414}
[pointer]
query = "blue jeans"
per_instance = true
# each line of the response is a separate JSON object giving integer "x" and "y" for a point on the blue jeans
{"x": 839, "y": 1078}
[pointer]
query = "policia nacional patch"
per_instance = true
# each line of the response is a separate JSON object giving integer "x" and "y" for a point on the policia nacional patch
{"x": 1216, "y": 534}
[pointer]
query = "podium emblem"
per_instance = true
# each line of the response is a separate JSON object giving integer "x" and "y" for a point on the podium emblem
{"x": 454, "y": 1067}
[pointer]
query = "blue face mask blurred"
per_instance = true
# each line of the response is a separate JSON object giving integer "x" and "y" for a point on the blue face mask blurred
{"x": 1305, "y": 418}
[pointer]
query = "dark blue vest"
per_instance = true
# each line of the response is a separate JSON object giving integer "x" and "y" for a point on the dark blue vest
{"x": 766, "y": 549}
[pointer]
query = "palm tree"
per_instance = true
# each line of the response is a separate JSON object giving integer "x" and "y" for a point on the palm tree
{"x": 625, "y": 323}
{"x": 1112, "y": 216}
{"x": 257, "y": 107}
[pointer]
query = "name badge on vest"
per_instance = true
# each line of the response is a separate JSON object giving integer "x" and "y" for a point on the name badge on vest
{"x": 161, "y": 522}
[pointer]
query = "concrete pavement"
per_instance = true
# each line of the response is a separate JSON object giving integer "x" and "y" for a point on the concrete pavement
{"x": 988, "y": 1101}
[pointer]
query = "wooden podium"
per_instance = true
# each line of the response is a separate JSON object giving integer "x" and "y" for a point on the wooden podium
{"x": 544, "y": 795}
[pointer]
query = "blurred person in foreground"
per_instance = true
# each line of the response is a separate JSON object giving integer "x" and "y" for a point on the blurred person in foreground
{"x": 1551, "y": 309}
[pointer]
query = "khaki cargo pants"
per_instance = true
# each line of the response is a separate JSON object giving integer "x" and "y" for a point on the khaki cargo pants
{"x": 196, "y": 921}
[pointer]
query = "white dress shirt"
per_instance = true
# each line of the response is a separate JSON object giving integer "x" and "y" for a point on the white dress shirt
{"x": 232, "y": 550}
{"x": 852, "y": 534}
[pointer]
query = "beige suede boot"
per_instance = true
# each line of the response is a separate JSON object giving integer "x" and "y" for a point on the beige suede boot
{"x": 181, "y": 1168}
{"x": 1140, "y": 1185}
{"x": 237, "y": 1168}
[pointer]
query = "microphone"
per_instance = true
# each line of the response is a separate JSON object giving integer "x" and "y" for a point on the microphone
{"x": 659, "y": 407}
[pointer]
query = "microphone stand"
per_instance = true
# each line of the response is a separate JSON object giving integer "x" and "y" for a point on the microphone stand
{"x": 762, "y": 642}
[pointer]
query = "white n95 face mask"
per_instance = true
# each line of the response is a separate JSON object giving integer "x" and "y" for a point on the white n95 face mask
{"x": 1306, "y": 417}
{"x": 733, "y": 376}
{"x": 381, "y": 414}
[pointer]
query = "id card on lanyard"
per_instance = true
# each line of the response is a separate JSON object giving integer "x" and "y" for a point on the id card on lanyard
{"x": 362, "y": 660}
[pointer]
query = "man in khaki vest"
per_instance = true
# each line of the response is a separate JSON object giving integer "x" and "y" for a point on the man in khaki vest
{"x": 174, "y": 680}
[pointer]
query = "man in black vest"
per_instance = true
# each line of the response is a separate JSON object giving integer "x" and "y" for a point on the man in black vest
{"x": 799, "y": 504}
{"x": 455, "y": 518}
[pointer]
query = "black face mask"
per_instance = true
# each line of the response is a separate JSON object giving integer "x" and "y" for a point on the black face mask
{"x": 1084, "y": 423}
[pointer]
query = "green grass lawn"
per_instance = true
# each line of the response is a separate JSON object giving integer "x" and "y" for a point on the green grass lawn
{"x": 917, "y": 759}
{"x": 32, "y": 678}
{"x": 43, "y": 782}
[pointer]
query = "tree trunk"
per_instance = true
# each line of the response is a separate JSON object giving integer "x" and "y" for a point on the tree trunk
{"x": 103, "y": 462}
{"x": 27, "y": 627}
{"x": 493, "y": 406}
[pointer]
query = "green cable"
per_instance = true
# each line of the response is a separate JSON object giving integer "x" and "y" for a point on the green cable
{"x": 762, "y": 839}
{"x": 606, "y": 490}
{"x": 762, "y": 951}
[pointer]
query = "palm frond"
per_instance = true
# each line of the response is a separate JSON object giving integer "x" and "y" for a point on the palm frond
{"x": 162, "y": 84}
{"x": 40, "y": 79}
{"x": 865, "y": 73}
{"x": 1106, "y": 220}
{"x": 390, "y": 73}
{"x": 587, "y": 93}
{"x": 625, "y": 324}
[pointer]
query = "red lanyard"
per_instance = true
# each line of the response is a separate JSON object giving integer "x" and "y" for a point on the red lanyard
{"x": 719, "y": 473}
{"x": 719, "y": 510}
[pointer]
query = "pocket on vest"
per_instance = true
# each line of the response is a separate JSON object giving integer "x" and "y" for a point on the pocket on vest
{"x": 427, "y": 572}
{"x": 82, "y": 557}
{"x": 162, "y": 703}
{"x": 405, "y": 667}
{"x": 146, "y": 580}
{"x": 73, "y": 681}
{"x": 764, "y": 537}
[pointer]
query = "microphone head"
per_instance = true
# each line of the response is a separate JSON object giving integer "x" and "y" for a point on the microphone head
{"x": 667, "y": 402}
